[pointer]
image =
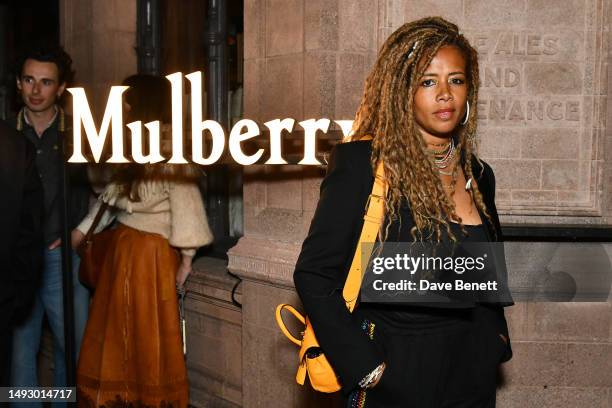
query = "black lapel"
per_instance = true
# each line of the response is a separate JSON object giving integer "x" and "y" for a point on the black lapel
{"x": 486, "y": 189}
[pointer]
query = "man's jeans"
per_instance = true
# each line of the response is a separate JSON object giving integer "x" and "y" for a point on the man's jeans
{"x": 49, "y": 301}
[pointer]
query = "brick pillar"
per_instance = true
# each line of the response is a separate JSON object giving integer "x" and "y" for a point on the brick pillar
{"x": 303, "y": 59}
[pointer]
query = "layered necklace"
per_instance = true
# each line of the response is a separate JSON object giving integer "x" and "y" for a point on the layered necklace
{"x": 443, "y": 155}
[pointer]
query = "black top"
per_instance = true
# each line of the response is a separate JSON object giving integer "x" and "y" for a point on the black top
{"x": 328, "y": 250}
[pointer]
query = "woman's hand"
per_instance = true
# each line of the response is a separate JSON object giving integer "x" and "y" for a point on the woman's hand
{"x": 76, "y": 238}
{"x": 55, "y": 244}
{"x": 183, "y": 271}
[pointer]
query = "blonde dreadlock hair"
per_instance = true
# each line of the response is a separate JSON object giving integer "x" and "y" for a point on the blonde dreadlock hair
{"x": 387, "y": 115}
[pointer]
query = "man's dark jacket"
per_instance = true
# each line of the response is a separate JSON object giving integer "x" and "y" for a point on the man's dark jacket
{"x": 21, "y": 242}
{"x": 49, "y": 160}
{"x": 328, "y": 250}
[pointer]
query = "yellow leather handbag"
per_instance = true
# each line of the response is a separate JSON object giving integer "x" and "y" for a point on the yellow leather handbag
{"x": 312, "y": 360}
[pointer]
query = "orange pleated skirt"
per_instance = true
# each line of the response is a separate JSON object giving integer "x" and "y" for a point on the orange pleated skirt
{"x": 132, "y": 353}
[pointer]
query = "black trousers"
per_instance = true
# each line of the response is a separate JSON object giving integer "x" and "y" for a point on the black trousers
{"x": 454, "y": 367}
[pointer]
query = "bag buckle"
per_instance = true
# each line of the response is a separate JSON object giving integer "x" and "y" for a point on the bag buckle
{"x": 376, "y": 196}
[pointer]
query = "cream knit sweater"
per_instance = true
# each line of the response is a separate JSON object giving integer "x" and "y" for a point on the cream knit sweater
{"x": 171, "y": 209}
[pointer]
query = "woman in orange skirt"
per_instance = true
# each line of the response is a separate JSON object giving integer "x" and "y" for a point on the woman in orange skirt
{"x": 132, "y": 351}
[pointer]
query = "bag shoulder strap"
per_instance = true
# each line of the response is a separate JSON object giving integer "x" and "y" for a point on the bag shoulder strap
{"x": 373, "y": 219}
{"x": 96, "y": 221}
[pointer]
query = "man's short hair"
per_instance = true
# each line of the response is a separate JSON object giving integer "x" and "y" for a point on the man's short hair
{"x": 47, "y": 53}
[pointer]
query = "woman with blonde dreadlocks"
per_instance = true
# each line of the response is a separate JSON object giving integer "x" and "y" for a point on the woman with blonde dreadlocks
{"x": 417, "y": 117}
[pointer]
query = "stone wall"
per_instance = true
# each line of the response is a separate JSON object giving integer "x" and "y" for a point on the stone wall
{"x": 101, "y": 38}
{"x": 543, "y": 127}
{"x": 544, "y": 72}
{"x": 214, "y": 346}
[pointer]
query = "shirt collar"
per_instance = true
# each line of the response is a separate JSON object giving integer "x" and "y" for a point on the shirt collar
{"x": 22, "y": 118}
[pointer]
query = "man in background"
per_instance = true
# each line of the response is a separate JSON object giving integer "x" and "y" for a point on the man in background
{"x": 21, "y": 238}
{"x": 42, "y": 74}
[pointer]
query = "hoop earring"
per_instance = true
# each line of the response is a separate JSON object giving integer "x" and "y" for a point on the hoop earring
{"x": 467, "y": 113}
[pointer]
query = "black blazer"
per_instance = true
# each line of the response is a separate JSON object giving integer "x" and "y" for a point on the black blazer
{"x": 328, "y": 250}
{"x": 21, "y": 212}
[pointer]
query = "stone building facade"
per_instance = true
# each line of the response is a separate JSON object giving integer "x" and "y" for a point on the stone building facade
{"x": 545, "y": 127}
{"x": 543, "y": 116}
{"x": 101, "y": 38}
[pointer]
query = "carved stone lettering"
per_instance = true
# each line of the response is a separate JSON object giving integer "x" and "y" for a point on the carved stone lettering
{"x": 534, "y": 44}
{"x": 512, "y": 109}
{"x": 503, "y": 45}
{"x": 543, "y": 70}
{"x": 551, "y": 45}
{"x": 483, "y": 109}
{"x": 572, "y": 111}
{"x": 501, "y": 76}
{"x": 554, "y": 111}
{"x": 512, "y": 77}
{"x": 516, "y": 111}
{"x": 492, "y": 77}
{"x": 535, "y": 108}
{"x": 497, "y": 110}
{"x": 538, "y": 76}
{"x": 481, "y": 42}
{"x": 517, "y": 44}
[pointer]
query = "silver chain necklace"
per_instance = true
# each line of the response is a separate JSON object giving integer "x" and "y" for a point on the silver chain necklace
{"x": 445, "y": 161}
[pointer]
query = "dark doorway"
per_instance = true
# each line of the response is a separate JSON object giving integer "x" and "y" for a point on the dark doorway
{"x": 188, "y": 35}
{"x": 22, "y": 22}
